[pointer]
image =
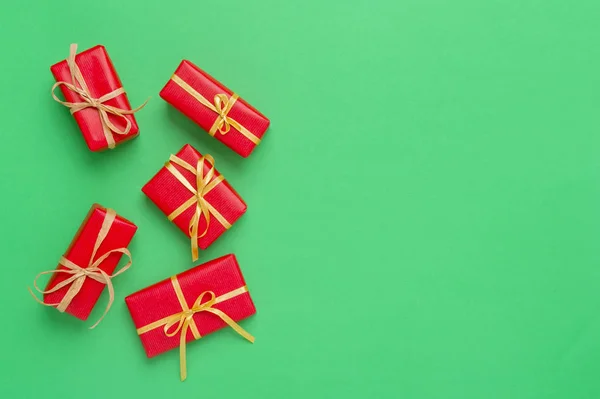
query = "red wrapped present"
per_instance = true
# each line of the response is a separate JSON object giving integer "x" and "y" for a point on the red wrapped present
{"x": 215, "y": 108}
{"x": 196, "y": 197}
{"x": 190, "y": 305}
{"x": 96, "y": 98}
{"x": 88, "y": 264}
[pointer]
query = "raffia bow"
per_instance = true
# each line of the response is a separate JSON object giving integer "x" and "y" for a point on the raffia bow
{"x": 221, "y": 105}
{"x": 184, "y": 320}
{"x": 204, "y": 184}
{"x": 79, "y": 86}
{"x": 79, "y": 274}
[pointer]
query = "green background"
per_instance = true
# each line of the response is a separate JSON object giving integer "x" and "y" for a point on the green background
{"x": 423, "y": 215}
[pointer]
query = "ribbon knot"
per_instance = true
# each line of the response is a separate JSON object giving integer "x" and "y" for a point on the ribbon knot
{"x": 79, "y": 87}
{"x": 182, "y": 320}
{"x": 205, "y": 182}
{"x": 79, "y": 274}
{"x": 189, "y": 314}
{"x": 223, "y": 105}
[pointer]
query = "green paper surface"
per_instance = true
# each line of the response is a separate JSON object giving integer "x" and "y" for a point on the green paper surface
{"x": 423, "y": 214}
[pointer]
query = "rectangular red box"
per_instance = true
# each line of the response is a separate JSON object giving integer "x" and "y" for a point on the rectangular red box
{"x": 79, "y": 252}
{"x": 169, "y": 194}
{"x": 159, "y": 301}
{"x": 208, "y": 87}
{"x": 101, "y": 78}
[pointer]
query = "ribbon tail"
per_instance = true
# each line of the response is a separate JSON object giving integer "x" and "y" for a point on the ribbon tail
{"x": 236, "y": 327}
{"x": 201, "y": 184}
{"x": 206, "y": 214}
{"x": 194, "y": 233}
{"x": 140, "y": 107}
{"x": 111, "y": 297}
{"x": 182, "y": 356}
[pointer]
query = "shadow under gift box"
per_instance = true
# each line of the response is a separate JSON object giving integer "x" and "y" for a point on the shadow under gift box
{"x": 79, "y": 252}
{"x": 242, "y": 112}
{"x": 101, "y": 78}
{"x": 159, "y": 301}
{"x": 169, "y": 194}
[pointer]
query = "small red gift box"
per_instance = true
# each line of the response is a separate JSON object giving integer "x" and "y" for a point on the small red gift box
{"x": 194, "y": 196}
{"x": 215, "y": 108}
{"x": 95, "y": 95}
{"x": 190, "y": 305}
{"x": 99, "y": 243}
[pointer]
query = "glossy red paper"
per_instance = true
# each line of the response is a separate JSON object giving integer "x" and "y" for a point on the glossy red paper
{"x": 169, "y": 194}
{"x": 80, "y": 250}
{"x": 220, "y": 276}
{"x": 208, "y": 86}
{"x": 101, "y": 78}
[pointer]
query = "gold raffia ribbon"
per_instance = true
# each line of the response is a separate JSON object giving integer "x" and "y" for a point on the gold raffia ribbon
{"x": 79, "y": 274}
{"x": 80, "y": 87}
{"x": 184, "y": 320}
{"x": 204, "y": 184}
{"x": 221, "y": 106}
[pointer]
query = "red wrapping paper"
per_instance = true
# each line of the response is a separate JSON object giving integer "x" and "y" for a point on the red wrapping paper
{"x": 220, "y": 275}
{"x": 168, "y": 194}
{"x": 80, "y": 250}
{"x": 101, "y": 78}
{"x": 208, "y": 86}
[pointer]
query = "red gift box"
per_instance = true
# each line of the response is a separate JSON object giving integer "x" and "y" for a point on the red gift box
{"x": 215, "y": 108}
{"x": 190, "y": 305}
{"x": 88, "y": 243}
{"x": 95, "y": 95}
{"x": 174, "y": 188}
